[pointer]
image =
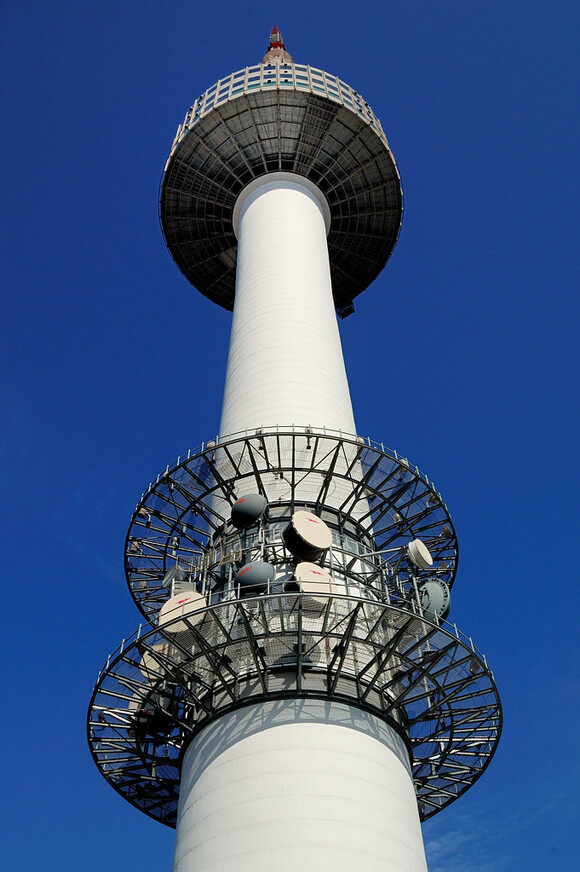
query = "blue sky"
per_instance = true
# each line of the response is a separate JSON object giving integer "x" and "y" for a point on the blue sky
{"x": 462, "y": 356}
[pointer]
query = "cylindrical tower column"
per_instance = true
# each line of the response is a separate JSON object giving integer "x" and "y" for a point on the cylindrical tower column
{"x": 298, "y": 784}
{"x": 285, "y": 363}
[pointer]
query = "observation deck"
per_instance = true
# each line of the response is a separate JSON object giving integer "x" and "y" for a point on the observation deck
{"x": 280, "y": 117}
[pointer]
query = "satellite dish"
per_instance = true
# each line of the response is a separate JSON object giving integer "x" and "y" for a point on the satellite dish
{"x": 307, "y": 536}
{"x": 419, "y": 554}
{"x": 151, "y": 665}
{"x": 247, "y": 510}
{"x": 255, "y": 577}
{"x": 435, "y": 599}
{"x": 315, "y": 585}
{"x": 175, "y": 574}
{"x": 185, "y": 604}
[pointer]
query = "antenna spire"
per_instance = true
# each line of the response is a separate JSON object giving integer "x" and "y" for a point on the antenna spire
{"x": 276, "y": 52}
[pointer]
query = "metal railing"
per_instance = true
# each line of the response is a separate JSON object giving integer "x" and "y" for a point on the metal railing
{"x": 291, "y": 77}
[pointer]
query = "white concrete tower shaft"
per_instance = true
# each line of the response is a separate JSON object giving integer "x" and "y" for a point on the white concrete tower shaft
{"x": 298, "y": 785}
{"x": 285, "y": 363}
{"x": 292, "y": 784}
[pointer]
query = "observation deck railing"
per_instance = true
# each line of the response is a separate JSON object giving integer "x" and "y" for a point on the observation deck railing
{"x": 294, "y": 429}
{"x": 291, "y": 77}
{"x": 451, "y": 629}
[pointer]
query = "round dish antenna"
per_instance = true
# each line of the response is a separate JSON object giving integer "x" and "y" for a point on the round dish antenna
{"x": 419, "y": 554}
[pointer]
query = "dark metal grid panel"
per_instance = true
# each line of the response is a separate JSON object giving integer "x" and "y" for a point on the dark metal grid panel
{"x": 280, "y": 130}
{"x": 188, "y": 503}
{"x": 161, "y": 688}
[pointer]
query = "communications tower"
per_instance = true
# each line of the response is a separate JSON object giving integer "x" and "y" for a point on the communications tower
{"x": 294, "y": 699}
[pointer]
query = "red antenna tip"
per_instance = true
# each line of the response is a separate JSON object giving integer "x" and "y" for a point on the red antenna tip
{"x": 276, "y": 50}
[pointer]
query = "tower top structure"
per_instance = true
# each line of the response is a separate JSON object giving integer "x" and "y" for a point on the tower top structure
{"x": 276, "y": 52}
{"x": 279, "y": 116}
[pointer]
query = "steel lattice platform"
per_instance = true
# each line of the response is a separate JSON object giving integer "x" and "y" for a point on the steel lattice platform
{"x": 362, "y": 488}
{"x": 162, "y": 687}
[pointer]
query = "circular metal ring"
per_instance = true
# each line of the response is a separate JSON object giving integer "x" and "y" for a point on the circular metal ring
{"x": 385, "y": 500}
{"x": 163, "y": 687}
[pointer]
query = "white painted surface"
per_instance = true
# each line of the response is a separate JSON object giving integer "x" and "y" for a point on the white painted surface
{"x": 294, "y": 786}
{"x": 182, "y": 605}
{"x": 312, "y": 529}
{"x": 316, "y": 585}
{"x": 285, "y": 363}
{"x": 419, "y": 554}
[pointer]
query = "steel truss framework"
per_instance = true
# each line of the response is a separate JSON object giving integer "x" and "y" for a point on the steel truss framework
{"x": 162, "y": 687}
{"x": 374, "y": 494}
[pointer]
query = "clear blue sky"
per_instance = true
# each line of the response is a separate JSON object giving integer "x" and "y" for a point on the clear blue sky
{"x": 463, "y": 355}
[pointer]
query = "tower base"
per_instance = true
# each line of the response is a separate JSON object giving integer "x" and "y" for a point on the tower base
{"x": 298, "y": 785}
